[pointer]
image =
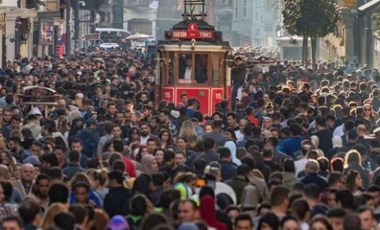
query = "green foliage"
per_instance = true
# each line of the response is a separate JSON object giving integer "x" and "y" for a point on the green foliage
{"x": 311, "y": 18}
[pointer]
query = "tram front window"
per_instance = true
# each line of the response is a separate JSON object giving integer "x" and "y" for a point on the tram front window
{"x": 201, "y": 72}
{"x": 193, "y": 70}
{"x": 185, "y": 68}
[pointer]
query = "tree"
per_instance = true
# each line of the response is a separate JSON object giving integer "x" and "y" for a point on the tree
{"x": 310, "y": 19}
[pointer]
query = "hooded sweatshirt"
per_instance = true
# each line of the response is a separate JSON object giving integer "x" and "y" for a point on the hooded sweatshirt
{"x": 208, "y": 213}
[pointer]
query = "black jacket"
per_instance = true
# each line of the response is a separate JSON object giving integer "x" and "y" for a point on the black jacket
{"x": 239, "y": 72}
{"x": 116, "y": 201}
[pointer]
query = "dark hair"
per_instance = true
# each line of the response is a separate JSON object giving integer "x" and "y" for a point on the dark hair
{"x": 137, "y": 205}
{"x": 244, "y": 217}
{"x": 289, "y": 165}
{"x": 365, "y": 208}
{"x": 323, "y": 220}
{"x": 158, "y": 179}
{"x": 118, "y": 165}
{"x": 55, "y": 173}
{"x": 312, "y": 191}
{"x": 64, "y": 221}
{"x": 243, "y": 170}
{"x": 208, "y": 143}
{"x": 118, "y": 146}
{"x": 58, "y": 192}
{"x": 141, "y": 185}
{"x": 117, "y": 176}
{"x": 345, "y": 198}
{"x": 270, "y": 219}
{"x": 12, "y": 218}
{"x": 286, "y": 219}
{"x": 74, "y": 156}
{"x": 206, "y": 191}
{"x": 28, "y": 210}
{"x": 79, "y": 212}
{"x": 152, "y": 220}
{"x": 334, "y": 178}
{"x": 81, "y": 184}
{"x": 300, "y": 207}
{"x": 336, "y": 212}
{"x": 279, "y": 194}
{"x": 42, "y": 177}
{"x": 249, "y": 161}
{"x": 168, "y": 196}
{"x": 351, "y": 221}
{"x": 224, "y": 200}
{"x": 168, "y": 155}
{"x": 224, "y": 152}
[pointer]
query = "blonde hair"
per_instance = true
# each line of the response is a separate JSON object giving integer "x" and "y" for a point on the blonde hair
{"x": 79, "y": 177}
{"x": 352, "y": 156}
{"x": 187, "y": 130}
{"x": 185, "y": 177}
{"x": 48, "y": 218}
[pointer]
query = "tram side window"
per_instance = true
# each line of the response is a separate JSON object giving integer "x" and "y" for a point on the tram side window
{"x": 171, "y": 68}
{"x": 201, "y": 68}
{"x": 185, "y": 65}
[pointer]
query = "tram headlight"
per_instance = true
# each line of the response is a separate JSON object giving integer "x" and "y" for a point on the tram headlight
{"x": 193, "y": 42}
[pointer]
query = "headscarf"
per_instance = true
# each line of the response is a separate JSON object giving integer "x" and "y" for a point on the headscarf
{"x": 188, "y": 226}
{"x": 146, "y": 164}
{"x": 208, "y": 213}
{"x": 117, "y": 223}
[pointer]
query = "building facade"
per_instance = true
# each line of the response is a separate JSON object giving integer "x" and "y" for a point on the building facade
{"x": 140, "y": 17}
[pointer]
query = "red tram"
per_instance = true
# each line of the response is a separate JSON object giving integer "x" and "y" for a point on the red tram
{"x": 193, "y": 59}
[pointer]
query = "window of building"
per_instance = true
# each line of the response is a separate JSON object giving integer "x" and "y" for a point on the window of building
{"x": 236, "y": 9}
{"x": 245, "y": 9}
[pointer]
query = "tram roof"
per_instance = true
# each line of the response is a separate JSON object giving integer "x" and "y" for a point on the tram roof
{"x": 179, "y": 45}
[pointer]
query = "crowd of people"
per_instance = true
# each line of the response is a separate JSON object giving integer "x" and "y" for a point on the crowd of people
{"x": 297, "y": 151}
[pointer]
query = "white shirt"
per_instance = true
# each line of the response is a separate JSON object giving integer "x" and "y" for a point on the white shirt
{"x": 300, "y": 165}
{"x": 338, "y": 131}
{"x": 188, "y": 73}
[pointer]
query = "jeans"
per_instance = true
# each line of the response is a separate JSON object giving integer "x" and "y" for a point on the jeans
{"x": 235, "y": 88}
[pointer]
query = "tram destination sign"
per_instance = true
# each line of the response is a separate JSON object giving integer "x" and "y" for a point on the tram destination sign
{"x": 192, "y": 32}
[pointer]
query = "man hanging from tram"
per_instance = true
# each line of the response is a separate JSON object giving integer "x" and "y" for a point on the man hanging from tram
{"x": 238, "y": 74}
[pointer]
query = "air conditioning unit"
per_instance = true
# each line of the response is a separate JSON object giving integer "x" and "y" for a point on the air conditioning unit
{"x": 8, "y": 4}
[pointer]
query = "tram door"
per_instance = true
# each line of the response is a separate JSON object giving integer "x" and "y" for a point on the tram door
{"x": 199, "y": 75}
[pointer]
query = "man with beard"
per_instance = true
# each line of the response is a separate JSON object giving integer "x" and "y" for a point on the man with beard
{"x": 35, "y": 153}
{"x": 181, "y": 145}
{"x": 168, "y": 123}
{"x": 170, "y": 166}
{"x": 14, "y": 144}
{"x": 239, "y": 71}
{"x": 111, "y": 111}
{"x": 13, "y": 125}
{"x": 41, "y": 190}
{"x": 145, "y": 133}
{"x": 143, "y": 100}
